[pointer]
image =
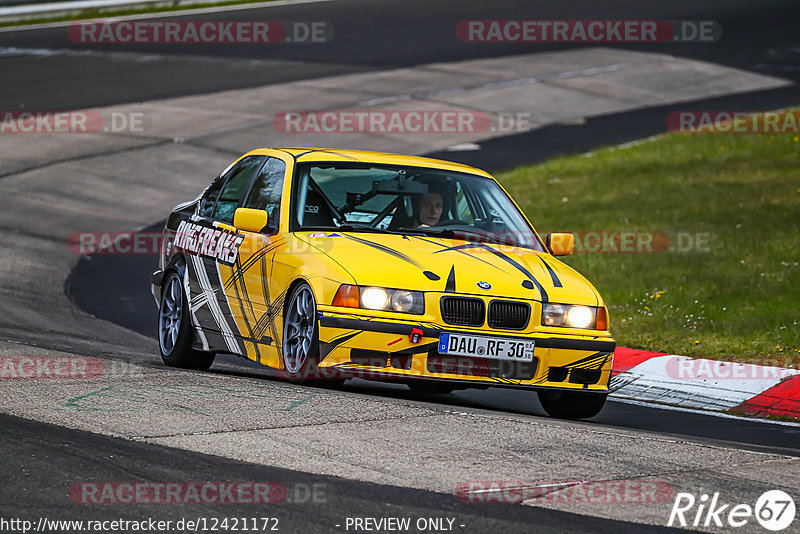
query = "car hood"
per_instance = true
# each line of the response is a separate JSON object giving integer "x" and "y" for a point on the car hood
{"x": 451, "y": 265}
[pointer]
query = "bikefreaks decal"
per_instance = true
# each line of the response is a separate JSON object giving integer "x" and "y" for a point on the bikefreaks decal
{"x": 207, "y": 241}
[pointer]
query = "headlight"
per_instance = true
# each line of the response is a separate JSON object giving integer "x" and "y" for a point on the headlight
{"x": 554, "y": 314}
{"x": 374, "y": 298}
{"x": 580, "y": 316}
{"x": 586, "y": 317}
{"x": 379, "y": 298}
{"x": 403, "y": 301}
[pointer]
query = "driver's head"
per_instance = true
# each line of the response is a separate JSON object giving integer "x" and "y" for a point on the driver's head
{"x": 430, "y": 208}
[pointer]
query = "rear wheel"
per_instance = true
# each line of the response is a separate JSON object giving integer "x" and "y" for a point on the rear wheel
{"x": 571, "y": 405}
{"x": 175, "y": 329}
{"x": 300, "y": 351}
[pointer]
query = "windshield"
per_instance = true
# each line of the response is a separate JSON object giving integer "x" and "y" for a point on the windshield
{"x": 392, "y": 199}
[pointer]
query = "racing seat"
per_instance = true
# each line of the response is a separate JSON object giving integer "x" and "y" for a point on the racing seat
{"x": 316, "y": 211}
{"x": 401, "y": 218}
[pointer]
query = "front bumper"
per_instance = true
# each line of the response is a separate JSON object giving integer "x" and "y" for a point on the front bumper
{"x": 381, "y": 349}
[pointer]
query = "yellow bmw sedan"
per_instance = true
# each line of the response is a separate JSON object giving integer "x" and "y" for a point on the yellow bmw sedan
{"x": 333, "y": 264}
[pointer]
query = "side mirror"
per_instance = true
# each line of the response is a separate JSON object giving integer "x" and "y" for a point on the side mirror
{"x": 560, "y": 243}
{"x": 250, "y": 220}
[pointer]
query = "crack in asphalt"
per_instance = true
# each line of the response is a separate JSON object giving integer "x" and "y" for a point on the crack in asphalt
{"x": 283, "y": 427}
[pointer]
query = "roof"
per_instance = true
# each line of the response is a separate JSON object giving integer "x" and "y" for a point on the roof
{"x": 308, "y": 154}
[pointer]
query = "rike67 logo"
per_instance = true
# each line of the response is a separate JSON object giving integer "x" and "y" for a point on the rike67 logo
{"x": 774, "y": 510}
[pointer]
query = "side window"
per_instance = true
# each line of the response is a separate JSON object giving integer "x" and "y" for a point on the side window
{"x": 266, "y": 192}
{"x": 210, "y": 197}
{"x": 235, "y": 187}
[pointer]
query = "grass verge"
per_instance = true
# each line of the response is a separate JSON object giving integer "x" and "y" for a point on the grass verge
{"x": 728, "y": 285}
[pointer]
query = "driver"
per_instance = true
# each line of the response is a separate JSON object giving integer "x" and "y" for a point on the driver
{"x": 430, "y": 209}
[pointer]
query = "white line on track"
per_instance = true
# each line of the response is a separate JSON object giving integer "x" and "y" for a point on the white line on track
{"x": 701, "y": 412}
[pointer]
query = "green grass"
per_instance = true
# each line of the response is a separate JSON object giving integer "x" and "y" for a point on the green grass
{"x": 96, "y": 14}
{"x": 739, "y": 298}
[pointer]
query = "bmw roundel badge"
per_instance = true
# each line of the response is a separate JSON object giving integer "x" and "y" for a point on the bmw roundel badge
{"x": 484, "y": 285}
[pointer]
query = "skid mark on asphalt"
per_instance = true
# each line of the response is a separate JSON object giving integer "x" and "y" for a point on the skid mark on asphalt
{"x": 179, "y": 398}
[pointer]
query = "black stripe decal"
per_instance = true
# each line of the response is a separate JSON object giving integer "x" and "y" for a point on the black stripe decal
{"x": 243, "y": 301}
{"x": 266, "y": 320}
{"x": 589, "y": 361}
{"x": 260, "y": 328}
{"x": 450, "y": 287}
{"x": 327, "y": 347}
{"x": 384, "y": 248}
{"x": 553, "y": 275}
{"x": 266, "y": 340}
{"x": 276, "y": 308}
{"x": 460, "y": 249}
{"x": 335, "y": 342}
{"x": 521, "y": 269}
{"x": 257, "y": 256}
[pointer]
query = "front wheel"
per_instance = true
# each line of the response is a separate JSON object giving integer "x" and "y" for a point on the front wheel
{"x": 175, "y": 330}
{"x": 571, "y": 405}
{"x": 300, "y": 351}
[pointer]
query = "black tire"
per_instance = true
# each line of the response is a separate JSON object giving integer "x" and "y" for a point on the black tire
{"x": 430, "y": 387}
{"x": 571, "y": 405}
{"x": 300, "y": 343}
{"x": 175, "y": 329}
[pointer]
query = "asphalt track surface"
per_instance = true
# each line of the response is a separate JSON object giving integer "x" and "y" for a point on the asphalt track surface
{"x": 369, "y": 36}
{"x": 312, "y": 503}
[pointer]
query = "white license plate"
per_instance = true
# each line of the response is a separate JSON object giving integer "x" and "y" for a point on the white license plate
{"x": 486, "y": 347}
